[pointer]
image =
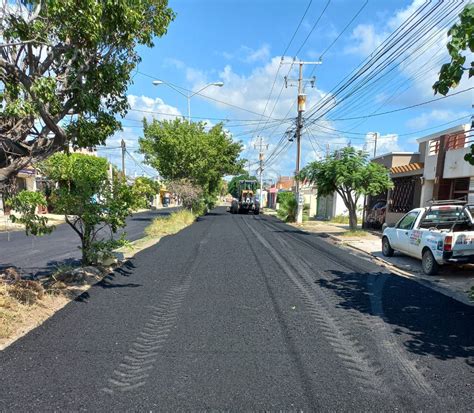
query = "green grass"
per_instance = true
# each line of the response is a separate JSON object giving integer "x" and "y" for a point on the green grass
{"x": 170, "y": 224}
{"x": 340, "y": 219}
{"x": 355, "y": 233}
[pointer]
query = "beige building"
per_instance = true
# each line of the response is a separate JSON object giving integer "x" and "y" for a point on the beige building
{"x": 438, "y": 171}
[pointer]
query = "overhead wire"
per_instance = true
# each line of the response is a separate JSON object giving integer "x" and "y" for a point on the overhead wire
{"x": 313, "y": 27}
{"x": 369, "y": 62}
{"x": 408, "y": 107}
{"x": 379, "y": 73}
{"x": 342, "y": 32}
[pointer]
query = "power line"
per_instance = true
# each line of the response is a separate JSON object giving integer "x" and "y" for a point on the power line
{"x": 312, "y": 28}
{"x": 297, "y": 28}
{"x": 210, "y": 98}
{"x": 342, "y": 32}
{"x": 139, "y": 164}
{"x": 371, "y": 66}
{"x": 407, "y": 107}
{"x": 378, "y": 74}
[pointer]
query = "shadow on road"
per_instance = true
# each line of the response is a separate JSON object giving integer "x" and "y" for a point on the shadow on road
{"x": 427, "y": 322}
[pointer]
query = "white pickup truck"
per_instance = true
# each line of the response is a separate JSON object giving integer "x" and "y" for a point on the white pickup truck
{"x": 438, "y": 234}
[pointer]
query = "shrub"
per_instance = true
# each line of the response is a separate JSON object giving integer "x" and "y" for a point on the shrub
{"x": 26, "y": 203}
{"x": 288, "y": 206}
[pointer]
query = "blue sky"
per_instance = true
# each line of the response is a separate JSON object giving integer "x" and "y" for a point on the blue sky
{"x": 240, "y": 42}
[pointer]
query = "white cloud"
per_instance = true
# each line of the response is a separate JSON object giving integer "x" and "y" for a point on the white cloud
{"x": 132, "y": 130}
{"x": 434, "y": 117}
{"x": 366, "y": 40}
{"x": 419, "y": 64}
{"x": 144, "y": 106}
{"x": 385, "y": 144}
{"x": 251, "y": 91}
{"x": 248, "y": 54}
{"x": 260, "y": 54}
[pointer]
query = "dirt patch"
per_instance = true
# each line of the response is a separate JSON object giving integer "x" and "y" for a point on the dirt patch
{"x": 25, "y": 304}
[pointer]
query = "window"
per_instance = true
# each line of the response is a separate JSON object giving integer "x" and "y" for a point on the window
{"x": 444, "y": 216}
{"x": 408, "y": 220}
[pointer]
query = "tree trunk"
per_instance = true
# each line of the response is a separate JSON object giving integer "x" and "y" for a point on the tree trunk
{"x": 352, "y": 219}
{"x": 86, "y": 245}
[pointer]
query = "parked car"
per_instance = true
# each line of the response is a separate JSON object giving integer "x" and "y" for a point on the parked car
{"x": 438, "y": 234}
{"x": 376, "y": 215}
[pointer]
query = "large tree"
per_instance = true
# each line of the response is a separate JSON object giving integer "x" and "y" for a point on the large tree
{"x": 461, "y": 40}
{"x": 349, "y": 173}
{"x": 180, "y": 149}
{"x": 64, "y": 71}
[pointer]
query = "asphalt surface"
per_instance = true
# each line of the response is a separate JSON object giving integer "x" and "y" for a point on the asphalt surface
{"x": 39, "y": 255}
{"x": 244, "y": 313}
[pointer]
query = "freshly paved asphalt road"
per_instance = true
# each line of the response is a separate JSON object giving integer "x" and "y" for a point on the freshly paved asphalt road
{"x": 38, "y": 255}
{"x": 246, "y": 313}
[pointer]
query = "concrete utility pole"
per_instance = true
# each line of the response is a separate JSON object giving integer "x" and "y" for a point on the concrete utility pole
{"x": 376, "y": 136}
{"x": 364, "y": 209}
{"x": 124, "y": 149}
{"x": 261, "y": 147}
{"x": 299, "y": 128}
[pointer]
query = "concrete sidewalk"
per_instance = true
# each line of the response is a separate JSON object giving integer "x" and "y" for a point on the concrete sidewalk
{"x": 453, "y": 281}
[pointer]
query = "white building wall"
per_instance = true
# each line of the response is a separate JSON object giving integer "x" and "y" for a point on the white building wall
{"x": 455, "y": 166}
{"x": 426, "y": 192}
{"x": 339, "y": 208}
{"x": 430, "y": 166}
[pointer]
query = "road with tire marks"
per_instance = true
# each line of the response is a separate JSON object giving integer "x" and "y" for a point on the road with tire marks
{"x": 243, "y": 312}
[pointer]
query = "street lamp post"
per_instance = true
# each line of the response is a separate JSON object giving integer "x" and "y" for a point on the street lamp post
{"x": 188, "y": 95}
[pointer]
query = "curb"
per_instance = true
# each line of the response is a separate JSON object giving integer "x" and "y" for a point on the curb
{"x": 462, "y": 298}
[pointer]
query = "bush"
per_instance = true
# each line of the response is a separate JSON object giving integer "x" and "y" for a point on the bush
{"x": 26, "y": 203}
{"x": 288, "y": 206}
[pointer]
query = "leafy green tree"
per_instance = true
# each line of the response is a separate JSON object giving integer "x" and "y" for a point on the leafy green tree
{"x": 143, "y": 190}
{"x": 348, "y": 173}
{"x": 91, "y": 201}
{"x": 233, "y": 185}
{"x": 462, "y": 39}
{"x": 26, "y": 204}
{"x": 71, "y": 59}
{"x": 180, "y": 149}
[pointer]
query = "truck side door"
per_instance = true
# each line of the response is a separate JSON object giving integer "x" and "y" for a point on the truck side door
{"x": 403, "y": 232}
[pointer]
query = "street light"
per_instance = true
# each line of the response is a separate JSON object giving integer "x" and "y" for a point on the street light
{"x": 188, "y": 95}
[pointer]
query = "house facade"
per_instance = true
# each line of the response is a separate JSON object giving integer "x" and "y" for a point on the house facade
{"x": 447, "y": 175}
{"x": 437, "y": 171}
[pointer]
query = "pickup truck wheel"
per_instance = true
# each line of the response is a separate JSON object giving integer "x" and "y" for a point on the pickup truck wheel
{"x": 429, "y": 264}
{"x": 387, "y": 249}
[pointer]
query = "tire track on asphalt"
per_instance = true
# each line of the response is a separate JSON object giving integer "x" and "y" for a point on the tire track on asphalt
{"x": 292, "y": 351}
{"x": 351, "y": 354}
{"x": 136, "y": 367}
{"x": 393, "y": 355}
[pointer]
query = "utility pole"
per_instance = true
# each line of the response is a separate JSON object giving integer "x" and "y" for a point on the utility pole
{"x": 299, "y": 128}
{"x": 261, "y": 147}
{"x": 124, "y": 149}
{"x": 364, "y": 209}
{"x": 376, "y": 135}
